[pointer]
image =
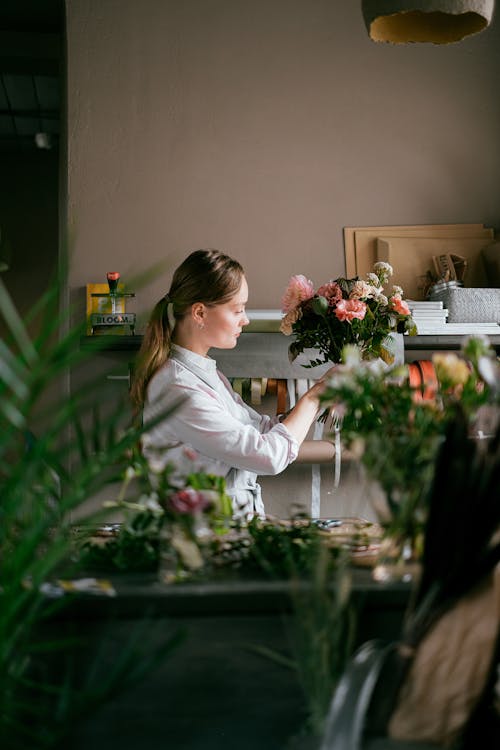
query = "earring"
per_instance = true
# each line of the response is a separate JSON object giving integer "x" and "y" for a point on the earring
{"x": 201, "y": 325}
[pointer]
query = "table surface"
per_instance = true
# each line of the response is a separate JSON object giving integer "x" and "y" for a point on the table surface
{"x": 230, "y": 596}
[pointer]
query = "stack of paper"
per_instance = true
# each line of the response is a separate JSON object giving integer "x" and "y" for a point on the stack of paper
{"x": 430, "y": 319}
{"x": 427, "y": 315}
{"x": 458, "y": 329}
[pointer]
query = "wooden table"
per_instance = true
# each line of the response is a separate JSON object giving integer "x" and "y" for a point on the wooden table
{"x": 213, "y": 690}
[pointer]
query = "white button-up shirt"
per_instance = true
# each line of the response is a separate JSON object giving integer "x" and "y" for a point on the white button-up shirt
{"x": 214, "y": 428}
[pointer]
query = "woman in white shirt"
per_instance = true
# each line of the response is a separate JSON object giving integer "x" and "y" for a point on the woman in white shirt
{"x": 212, "y": 425}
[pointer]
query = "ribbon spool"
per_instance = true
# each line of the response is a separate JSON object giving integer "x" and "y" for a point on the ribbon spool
{"x": 422, "y": 377}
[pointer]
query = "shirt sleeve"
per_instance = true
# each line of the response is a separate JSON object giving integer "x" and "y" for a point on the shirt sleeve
{"x": 263, "y": 422}
{"x": 204, "y": 422}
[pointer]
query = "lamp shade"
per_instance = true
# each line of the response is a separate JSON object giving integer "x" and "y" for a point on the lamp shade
{"x": 434, "y": 21}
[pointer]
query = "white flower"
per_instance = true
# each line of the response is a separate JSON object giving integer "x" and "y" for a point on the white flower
{"x": 382, "y": 299}
{"x": 153, "y": 505}
{"x": 373, "y": 279}
{"x": 396, "y": 289}
{"x": 351, "y": 356}
{"x": 490, "y": 372}
{"x": 361, "y": 290}
{"x": 375, "y": 367}
{"x": 382, "y": 267}
{"x": 130, "y": 473}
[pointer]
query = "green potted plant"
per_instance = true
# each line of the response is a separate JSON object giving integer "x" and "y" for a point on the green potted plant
{"x": 45, "y": 475}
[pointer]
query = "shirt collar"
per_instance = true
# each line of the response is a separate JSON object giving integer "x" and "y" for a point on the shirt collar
{"x": 193, "y": 360}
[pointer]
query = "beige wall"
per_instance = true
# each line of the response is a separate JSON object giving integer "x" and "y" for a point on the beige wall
{"x": 263, "y": 129}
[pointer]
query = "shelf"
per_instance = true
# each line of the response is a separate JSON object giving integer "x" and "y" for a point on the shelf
{"x": 443, "y": 341}
{"x": 109, "y": 342}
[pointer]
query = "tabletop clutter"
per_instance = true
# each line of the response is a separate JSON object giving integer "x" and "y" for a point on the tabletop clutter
{"x": 450, "y": 272}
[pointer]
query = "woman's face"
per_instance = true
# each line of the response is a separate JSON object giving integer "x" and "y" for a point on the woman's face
{"x": 223, "y": 323}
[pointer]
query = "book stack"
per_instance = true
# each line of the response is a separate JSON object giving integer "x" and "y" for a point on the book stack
{"x": 430, "y": 317}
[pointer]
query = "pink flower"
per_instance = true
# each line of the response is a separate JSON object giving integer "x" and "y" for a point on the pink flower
{"x": 188, "y": 501}
{"x": 399, "y": 305}
{"x": 299, "y": 289}
{"x": 348, "y": 309}
{"x": 288, "y": 321}
{"x": 331, "y": 291}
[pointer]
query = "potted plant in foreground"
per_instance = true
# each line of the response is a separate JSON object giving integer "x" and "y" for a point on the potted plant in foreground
{"x": 44, "y": 478}
{"x": 395, "y": 429}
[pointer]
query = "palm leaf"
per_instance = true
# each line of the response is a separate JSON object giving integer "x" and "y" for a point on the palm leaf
{"x": 83, "y": 446}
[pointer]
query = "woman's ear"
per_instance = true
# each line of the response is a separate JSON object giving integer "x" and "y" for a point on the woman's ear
{"x": 198, "y": 314}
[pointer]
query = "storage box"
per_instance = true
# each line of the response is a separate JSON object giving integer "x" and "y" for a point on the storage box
{"x": 470, "y": 305}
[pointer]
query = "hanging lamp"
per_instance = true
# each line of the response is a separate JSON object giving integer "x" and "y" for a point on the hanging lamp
{"x": 434, "y": 21}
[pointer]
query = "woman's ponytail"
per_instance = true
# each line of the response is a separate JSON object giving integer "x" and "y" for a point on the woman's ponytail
{"x": 154, "y": 350}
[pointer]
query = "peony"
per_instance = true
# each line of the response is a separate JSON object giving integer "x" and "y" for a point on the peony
{"x": 188, "y": 501}
{"x": 299, "y": 289}
{"x": 399, "y": 305}
{"x": 348, "y": 309}
{"x": 331, "y": 292}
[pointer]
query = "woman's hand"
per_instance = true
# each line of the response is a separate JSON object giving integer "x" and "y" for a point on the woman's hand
{"x": 319, "y": 386}
{"x": 305, "y": 411}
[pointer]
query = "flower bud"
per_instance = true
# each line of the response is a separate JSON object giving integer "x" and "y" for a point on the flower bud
{"x": 320, "y": 306}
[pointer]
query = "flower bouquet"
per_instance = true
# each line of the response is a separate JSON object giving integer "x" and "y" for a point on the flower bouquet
{"x": 169, "y": 522}
{"x": 396, "y": 432}
{"x": 345, "y": 311}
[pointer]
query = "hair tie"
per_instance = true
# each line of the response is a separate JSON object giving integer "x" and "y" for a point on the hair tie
{"x": 170, "y": 311}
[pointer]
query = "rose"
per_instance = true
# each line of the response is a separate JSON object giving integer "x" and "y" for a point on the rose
{"x": 188, "y": 501}
{"x": 299, "y": 289}
{"x": 399, "y": 305}
{"x": 349, "y": 309}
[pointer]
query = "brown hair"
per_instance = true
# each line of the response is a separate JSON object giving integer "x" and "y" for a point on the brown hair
{"x": 206, "y": 276}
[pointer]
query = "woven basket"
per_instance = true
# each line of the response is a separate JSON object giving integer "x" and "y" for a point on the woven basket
{"x": 473, "y": 305}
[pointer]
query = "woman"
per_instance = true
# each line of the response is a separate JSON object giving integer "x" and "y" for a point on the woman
{"x": 205, "y": 308}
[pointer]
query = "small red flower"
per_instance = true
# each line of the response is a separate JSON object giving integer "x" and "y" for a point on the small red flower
{"x": 188, "y": 501}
